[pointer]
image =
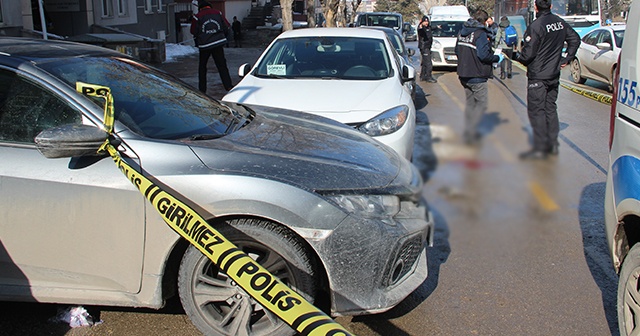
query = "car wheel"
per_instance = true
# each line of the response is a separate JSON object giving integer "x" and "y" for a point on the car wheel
{"x": 217, "y": 306}
{"x": 628, "y": 293}
{"x": 576, "y": 73}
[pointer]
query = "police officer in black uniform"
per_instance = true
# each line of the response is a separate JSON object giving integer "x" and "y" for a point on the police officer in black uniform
{"x": 542, "y": 54}
{"x": 425, "y": 40}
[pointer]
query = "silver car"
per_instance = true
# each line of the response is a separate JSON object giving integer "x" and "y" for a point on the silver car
{"x": 331, "y": 212}
{"x": 597, "y": 57}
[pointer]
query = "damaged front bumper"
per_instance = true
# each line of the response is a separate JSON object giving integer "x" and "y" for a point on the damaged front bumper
{"x": 372, "y": 265}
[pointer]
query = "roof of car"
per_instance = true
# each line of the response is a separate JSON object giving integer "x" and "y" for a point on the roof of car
{"x": 36, "y": 48}
{"x": 311, "y": 32}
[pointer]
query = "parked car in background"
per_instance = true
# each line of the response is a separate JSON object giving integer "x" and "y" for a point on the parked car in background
{"x": 403, "y": 51}
{"x": 411, "y": 34}
{"x": 597, "y": 56}
{"x": 330, "y": 211}
{"x": 354, "y": 76}
{"x": 446, "y": 23}
{"x": 381, "y": 19}
{"x": 622, "y": 189}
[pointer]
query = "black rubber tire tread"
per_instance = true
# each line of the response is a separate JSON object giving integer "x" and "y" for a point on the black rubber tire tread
{"x": 630, "y": 264}
{"x": 278, "y": 238}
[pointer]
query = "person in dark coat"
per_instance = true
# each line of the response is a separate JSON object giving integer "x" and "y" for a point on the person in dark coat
{"x": 236, "y": 27}
{"x": 541, "y": 53}
{"x": 210, "y": 30}
{"x": 475, "y": 67}
{"x": 492, "y": 27}
{"x": 425, "y": 40}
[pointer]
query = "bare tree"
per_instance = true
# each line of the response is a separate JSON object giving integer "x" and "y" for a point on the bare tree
{"x": 311, "y": 13}
{"x": 354, "y": 9}
{"x": 330, "y": 10}
{"x": 287, "y": 14}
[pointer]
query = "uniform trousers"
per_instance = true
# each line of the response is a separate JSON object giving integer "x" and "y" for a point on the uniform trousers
{"x": 543, "y": 112}
{"x": 217, "y": 53}
{"x": 426, "y": 65}
{"x": 477, "y": 97}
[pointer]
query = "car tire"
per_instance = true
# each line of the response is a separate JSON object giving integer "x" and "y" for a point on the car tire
{"x": 628, "y": 292}
{"x": 217, "y": 306}
{"x": 576, "y": 72}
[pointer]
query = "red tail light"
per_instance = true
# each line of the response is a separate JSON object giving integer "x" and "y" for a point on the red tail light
{"x": 614, "y": 102}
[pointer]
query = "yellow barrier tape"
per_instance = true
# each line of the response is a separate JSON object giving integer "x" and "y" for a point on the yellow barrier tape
{"x": 265, "y": 288}
{"x": 603, "y": 98}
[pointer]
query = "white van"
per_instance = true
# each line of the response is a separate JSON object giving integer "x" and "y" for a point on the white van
{"x": 446, "y": 22}
{"x": 622, "y": 191}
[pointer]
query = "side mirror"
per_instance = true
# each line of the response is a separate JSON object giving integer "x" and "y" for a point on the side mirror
{"x": 244, "y": 70}
{"x": 603, "y": 46}
{"x": 411, "y": 51}
{"x": 408, "y": 73}
{"x": 70, "y": 141}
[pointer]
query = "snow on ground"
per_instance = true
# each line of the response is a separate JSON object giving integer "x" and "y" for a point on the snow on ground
{"x": 174, "y": 51}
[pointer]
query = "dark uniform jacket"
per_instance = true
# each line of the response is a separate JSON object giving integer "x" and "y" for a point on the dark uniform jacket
{"x": 425, "y": 38}
{"x": 210, "y": 28}
{"x": 543, "y": 43}
{"x": 475, "y": 55}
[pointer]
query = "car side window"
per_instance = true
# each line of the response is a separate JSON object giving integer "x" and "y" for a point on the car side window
{"x": 605, "y": 37}
{"x": 27, "y": 108}
{"x": 591, "y": 38}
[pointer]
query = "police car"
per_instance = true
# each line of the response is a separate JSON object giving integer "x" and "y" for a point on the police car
{"x": 622, "y": 195}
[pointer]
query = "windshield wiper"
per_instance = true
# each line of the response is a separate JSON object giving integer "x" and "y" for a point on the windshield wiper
{"x": 196, "y": 137}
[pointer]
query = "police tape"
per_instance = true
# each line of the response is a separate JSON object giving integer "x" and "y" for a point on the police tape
{"x": 601, "y": 97}
{"x": 262, "y": 286}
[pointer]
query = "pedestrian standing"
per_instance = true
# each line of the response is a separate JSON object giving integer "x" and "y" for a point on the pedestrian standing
{"x": 492, "y": 26}
{"x": 236, "y": 27}
{"x": 210, "y": 30}
{"x": 425, "y": 40}
{"x": 541, "y": 53}
{"x": 475, "y": 60}
{"x": 507, "y": 40}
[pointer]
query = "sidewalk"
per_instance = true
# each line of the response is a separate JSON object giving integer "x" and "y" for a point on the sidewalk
{"x": 186, "y": 67}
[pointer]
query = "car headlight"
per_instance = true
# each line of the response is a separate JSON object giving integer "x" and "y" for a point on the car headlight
{"x": 368, "y": 206}
{"x": 386, "y": 122}
{"x": 436, "y": 45}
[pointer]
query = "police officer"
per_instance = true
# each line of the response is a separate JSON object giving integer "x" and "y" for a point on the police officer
{"x": 542, "y": 54}
{"x": 210, "y": 28}
{"x": 425, "y": 40}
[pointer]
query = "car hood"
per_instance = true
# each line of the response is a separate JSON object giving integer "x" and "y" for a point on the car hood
{"x": 307, "y": 151}
{"x": 347, "y": 101}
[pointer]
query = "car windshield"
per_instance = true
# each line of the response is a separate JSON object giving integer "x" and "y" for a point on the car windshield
{"x": 147, "y": 101}
{"x": 446, "y": 28}
{"x": 352, "y": 58}
{"x": 382, "y": 20}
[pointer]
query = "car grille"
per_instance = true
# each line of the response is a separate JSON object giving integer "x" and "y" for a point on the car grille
{"x": 404, "y": 261}
{"x": 450, "y": 52}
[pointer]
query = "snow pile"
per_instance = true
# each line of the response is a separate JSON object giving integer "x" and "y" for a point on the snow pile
{"x": 173, "y": 51}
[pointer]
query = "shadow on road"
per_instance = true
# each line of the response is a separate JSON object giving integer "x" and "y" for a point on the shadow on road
{"x": 596, "y": 251}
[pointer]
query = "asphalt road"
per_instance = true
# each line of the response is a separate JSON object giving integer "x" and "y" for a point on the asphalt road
{"x": 519, "y": 248}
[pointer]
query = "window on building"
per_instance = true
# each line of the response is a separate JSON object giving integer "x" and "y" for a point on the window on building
{"x": 148, "y": 7}
{"x": 122, "y": 7}
{"x": 160, "y": 6}
{"x": 1, "y": 16}
{"x": 107, "y": 8}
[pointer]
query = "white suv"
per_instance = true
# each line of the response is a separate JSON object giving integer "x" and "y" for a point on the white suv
{"x": 622, "y": 195}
